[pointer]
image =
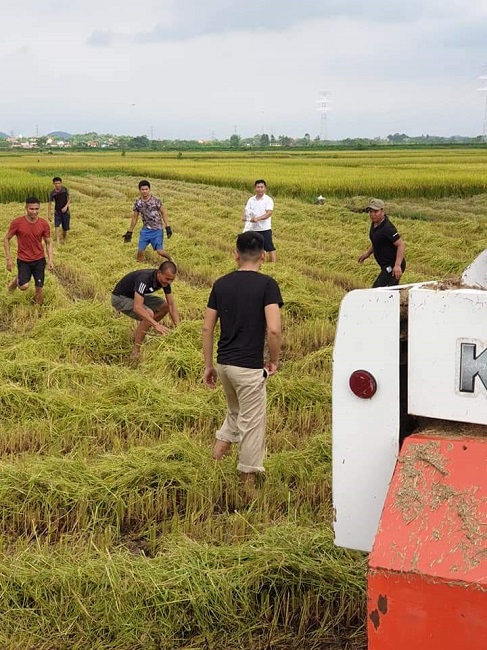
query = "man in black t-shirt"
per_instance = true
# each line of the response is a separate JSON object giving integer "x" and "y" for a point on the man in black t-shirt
{"x": 62, "y": 200}
{"x": 247, "y": 304}
{"x": 134, "y": 296}
{"x": 387, "y": 246}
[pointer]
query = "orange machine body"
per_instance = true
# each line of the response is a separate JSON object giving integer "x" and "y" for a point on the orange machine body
{"x": 427, "y": 582}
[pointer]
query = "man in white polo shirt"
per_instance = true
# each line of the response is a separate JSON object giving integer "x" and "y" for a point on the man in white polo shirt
{"x": 257, "y": 217}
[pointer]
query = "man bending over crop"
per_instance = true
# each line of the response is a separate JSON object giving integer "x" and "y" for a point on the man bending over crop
{"x": 247, "y": 303}
{"x": 31, "y": 232}
{"x": 134, "y": 296}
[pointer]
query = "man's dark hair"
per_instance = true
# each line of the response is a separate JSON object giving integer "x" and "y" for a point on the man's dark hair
{"x": 250, "y": 245}
{"x": 32, "y": 199}
{"x": 57, "y": 178}
{"x": 168, "y": 266}
{"x": 144, "y": 183}
{"x": 260, "y": 180}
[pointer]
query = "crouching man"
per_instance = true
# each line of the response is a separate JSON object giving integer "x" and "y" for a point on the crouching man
{"x": 134, "y": 296}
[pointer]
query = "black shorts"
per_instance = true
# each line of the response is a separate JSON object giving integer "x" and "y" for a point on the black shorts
{"x": 62, "y": 219}
{"x": 125, "y": 305}
{"x": 28, "y": 270}
{"x": 268, "y": 243}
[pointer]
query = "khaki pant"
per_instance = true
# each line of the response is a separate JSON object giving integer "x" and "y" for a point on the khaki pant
{"x": 245, "y": 422}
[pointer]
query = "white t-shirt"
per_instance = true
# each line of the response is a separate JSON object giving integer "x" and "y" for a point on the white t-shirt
{"x": 256, "y": 208}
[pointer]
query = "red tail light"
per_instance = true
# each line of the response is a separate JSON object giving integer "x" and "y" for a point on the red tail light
{"x": 362, "y": 384}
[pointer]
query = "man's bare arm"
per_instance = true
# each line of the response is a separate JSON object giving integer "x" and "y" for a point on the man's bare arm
{"x": 209, "y": 376}
{"x": 273, "y": 323}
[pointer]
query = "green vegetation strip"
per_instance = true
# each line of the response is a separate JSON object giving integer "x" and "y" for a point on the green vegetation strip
{"x": 421, "y": 173}
{"x": 126, "y": 491}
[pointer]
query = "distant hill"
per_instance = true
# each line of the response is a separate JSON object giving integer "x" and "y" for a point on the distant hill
{"x": 3, "y": 135}
{"x": 62, "y": 135}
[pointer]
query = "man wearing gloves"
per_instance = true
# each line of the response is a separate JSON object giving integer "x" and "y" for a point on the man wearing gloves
{"x": 154, "y": 219}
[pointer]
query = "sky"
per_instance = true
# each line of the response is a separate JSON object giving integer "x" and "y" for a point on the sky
{"x": 203, "y": 69}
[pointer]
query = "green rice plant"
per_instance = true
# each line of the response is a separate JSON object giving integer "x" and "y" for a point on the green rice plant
{"x": 165, "y": 485}
{"x": 411, "y": 173}
{"x": 16, "y": 185}
{"x": 192, "y": 594}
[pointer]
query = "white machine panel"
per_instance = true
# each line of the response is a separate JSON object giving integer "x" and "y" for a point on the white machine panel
{"x": 447, "y": 351}
{"x": 475, "y": 275}
{"x": 365, "y": 431}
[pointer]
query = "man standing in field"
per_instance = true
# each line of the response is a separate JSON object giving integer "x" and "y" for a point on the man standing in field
{"x": 31, "y": 231}
{"x": 154, "y": 218}
{"x": 247, "y": 303}
{"x": 257, "y": 216}
{"x": 387, "y": 246}
{"x": 134, "y": 296}
{"x": 62, "y": 200}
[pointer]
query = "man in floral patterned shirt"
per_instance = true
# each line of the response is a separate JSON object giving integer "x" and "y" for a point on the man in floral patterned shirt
{"x": 154, "y": 218}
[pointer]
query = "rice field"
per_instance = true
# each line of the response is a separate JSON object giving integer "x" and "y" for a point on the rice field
{"x": 117, "y": 530}
{"x": 431, "y": 173}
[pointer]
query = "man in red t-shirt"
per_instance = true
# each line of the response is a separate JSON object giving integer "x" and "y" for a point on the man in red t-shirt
{"x": 31, "y": 231}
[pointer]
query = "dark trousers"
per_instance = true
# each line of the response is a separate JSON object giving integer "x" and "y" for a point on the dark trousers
{"x": 385, "y": 277}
